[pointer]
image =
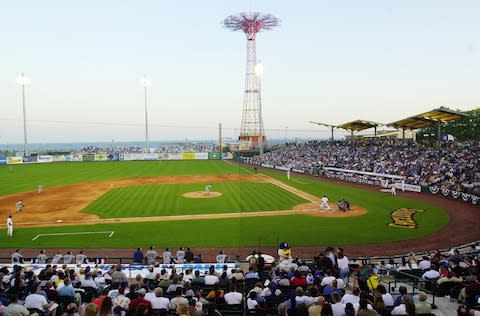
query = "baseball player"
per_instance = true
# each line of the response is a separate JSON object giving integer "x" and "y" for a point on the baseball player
{"x": 221, "y": 257}
{"x": 288, "y": 174}
{"x": 19, "y": 206}
{"x": 393, "y": 190}
{"x": 69, "y": 258}
{"x": 9, "y": 226}
{"x": 152, "y": 255}
{"x": 42, "y": 257}
{"x": 208, "y": 188}
{"x": 324, "y": 204}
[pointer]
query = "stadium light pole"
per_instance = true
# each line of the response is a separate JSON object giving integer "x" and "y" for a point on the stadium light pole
{"x": 23, "y": 81}
{"x": 146, "y": 83}
{"x": 258, "y": 75}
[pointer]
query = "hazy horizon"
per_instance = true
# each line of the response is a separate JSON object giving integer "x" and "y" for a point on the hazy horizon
{"x": 326, "y": 62}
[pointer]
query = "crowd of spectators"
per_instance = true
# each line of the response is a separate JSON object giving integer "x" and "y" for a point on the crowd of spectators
{"x": 320, "y": 287}
{"x": 164, "y": 148}
{"x": 454, "y": 166}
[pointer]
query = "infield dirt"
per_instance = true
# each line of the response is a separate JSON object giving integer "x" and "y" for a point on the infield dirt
{"x": 65, "y": 203}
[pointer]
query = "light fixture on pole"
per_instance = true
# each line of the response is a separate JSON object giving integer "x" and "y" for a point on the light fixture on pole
{"x": 258, "y": 75}
{"x": 23, "y": 81}
{"x": 146, "y": 83}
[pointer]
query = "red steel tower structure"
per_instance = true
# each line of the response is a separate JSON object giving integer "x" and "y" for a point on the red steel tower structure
{"x": 252, "y": 122}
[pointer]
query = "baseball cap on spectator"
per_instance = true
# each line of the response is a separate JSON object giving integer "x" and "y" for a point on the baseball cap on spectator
{"x": 141, "y": 291}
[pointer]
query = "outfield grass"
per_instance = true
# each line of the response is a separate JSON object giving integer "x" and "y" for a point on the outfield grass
{"x": 167, "y": 199}
{"x": 298, "y": 230}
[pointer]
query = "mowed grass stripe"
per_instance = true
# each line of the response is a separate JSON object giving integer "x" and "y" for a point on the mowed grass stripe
{"x": 21, "y": 178}
{"x": 167, "y": 199}
{"x": 297, "y": 230}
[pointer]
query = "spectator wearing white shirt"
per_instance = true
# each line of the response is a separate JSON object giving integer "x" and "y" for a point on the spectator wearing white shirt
{"x": 211, "y": 278}
{"x": 233, "y": 297}
{"x": 157, "y": 299}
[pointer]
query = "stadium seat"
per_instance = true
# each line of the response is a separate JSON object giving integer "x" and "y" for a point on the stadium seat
{"x": 159, "y": 312}
{"x": 231, "y": 310}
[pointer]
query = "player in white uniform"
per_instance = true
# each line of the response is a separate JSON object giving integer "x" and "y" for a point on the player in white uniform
{"x": 208, "y": 188}
{"x": 152, "y": 255}
{"x": 393, "y": 190}
{"x": 10, "y": 226}
{"x": 181, "y": 256}
{"x": 324, "y": 204}
{"x": 19, "y": 206}
{"x": 221, "y": 257}
{"x": 288, "y": 174}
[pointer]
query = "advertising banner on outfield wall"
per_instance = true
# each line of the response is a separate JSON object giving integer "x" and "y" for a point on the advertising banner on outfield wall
{"x": 134, "y": 156}
{"x": 214, "y": 155}
{"x": 201, "y": 156}
{"x": 188, "y": 156}
{"x": 228, "y": 155}
{"x": 175, "y": 156}
{"x": 101, "y": 157}
{"x": 74, "y": 157}
{"x": 163, "y": 156}
{"x": 150, "y": 156}
{"x": 44, "y": 158}
{"x": 114, "y": 157}
{"x": 59, "y": 158}
{"x": 3, "y": 160}
{"x": 140, "y": 156}
{"x": 14, "y": 160}
{"x": 88, "y": 157}
{"x": 30, "y": 159}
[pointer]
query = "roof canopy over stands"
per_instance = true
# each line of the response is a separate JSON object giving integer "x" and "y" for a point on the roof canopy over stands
{"x": 327, "y": 125}
{"x": 434, "y": 117}
{"x": 427, "y": 119}
{"x": 359, "y": 125}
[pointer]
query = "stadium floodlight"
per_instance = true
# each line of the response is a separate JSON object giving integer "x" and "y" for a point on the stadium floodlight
{"x": 23, "y": 81}
{"x": 146, "y": 83}
{"x": 258, "y": 75}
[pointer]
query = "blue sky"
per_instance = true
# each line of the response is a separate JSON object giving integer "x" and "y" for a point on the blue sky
{"x": 328, "y": 61}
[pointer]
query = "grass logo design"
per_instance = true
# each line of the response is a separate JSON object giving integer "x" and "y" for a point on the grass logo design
{"x": 403, "y": 218}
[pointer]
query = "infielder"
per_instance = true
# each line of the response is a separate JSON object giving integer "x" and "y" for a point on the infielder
{"x": 19, "y": 206}
{"x": 10, "y": 226}
{"x": 324, "y": 204}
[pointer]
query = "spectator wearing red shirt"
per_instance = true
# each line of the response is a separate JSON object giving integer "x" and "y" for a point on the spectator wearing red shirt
{"x": 298, "y": 279}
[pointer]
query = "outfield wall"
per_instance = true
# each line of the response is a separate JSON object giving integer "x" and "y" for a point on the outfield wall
{"x": 16, "y": 160}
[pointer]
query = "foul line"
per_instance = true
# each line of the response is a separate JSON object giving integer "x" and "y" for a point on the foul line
{"x": 297, "y": 181}
{"x": 281, "y": 184}
{"x": 240, "y": 167}
{"x": 78, "y": 233}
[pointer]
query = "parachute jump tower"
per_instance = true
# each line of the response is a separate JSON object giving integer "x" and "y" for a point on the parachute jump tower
{"x": 251, "y": 130}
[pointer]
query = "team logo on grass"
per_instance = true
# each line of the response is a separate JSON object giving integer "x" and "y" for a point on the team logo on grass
{"x": 403, "y": 217}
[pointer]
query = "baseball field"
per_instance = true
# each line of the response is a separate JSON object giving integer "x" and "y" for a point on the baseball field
{"x": 164, "y": 203}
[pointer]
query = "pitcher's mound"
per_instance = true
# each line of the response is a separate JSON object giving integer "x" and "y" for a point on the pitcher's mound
{"x": 201, "y": 195}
